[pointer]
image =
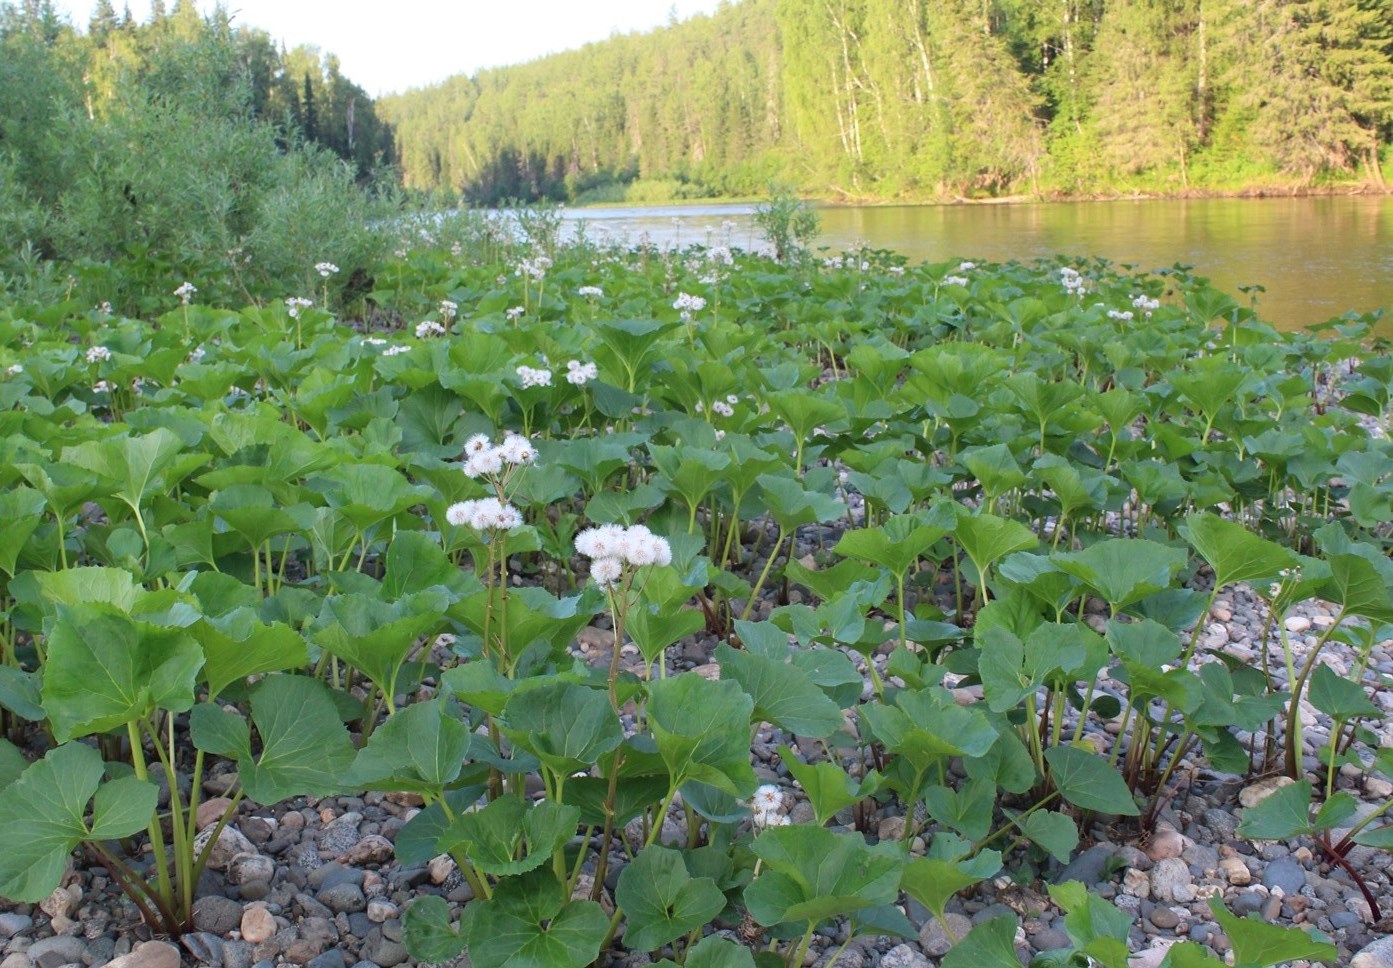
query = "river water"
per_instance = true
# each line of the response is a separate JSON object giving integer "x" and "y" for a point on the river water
{"x": 1316, "y": 257}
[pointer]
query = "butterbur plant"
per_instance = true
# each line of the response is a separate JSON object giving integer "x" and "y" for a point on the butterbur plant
{"x": 619, "y": 557}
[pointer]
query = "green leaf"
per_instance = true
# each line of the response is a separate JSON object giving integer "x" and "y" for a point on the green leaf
{"x": 1338, "y": 697}
{"x": 653, "y": 632}
{"x": 1188, "y": 954}
{"x": 567, "y": 726}
{"x": 1234, "y": 552}
{"x": 21, "y": 513}
{"x": 829, "y": 787}
{"x": 783, "y": 693}
{"x": 1097, "y": 928}
{"x": 990, "y": 944}
{"x": 987, "y": 538}
{"x": 305, "y": 748}
{"x": 1086, "y": 780}
{"x": 713, "y": 951}
{"x": 701, "y": 729}
{"x": 932, "y": 881}
{"x": 1055, "y": 832}
{"x": 813, "y": 874}
{"x": 1122, "y": 571}
{"x": 12, "y": 763}
{"x": 42, "y": 817}
{"x": 528, "y": 925}
{"x": 105, "y": 669}
{"x": 1257, "y": 944}
{"x": 511, "y": 837}
{"x": 376, "y": 637}
{"x": 20, "y": 693}
{"x": 238, "y": 645}
{"x": 427, "y": 932}
{"x": 421, "y": 749}
{"x": 1283, "y": 814}
{"x": 661, "y": 901}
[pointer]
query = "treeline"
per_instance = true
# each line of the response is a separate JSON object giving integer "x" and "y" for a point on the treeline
{"x": 927, "y": 98}
{"x": 181, "y": 145}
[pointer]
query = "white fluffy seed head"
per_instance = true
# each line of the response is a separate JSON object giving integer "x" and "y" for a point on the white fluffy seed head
{"x": 606, "y": 571}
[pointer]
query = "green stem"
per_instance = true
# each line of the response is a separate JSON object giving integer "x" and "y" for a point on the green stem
{"x": 763, "y": 575}
{"x": 157, "y": 846}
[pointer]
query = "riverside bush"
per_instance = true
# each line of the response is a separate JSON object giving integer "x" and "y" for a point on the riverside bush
{"x": 934, "y": 527}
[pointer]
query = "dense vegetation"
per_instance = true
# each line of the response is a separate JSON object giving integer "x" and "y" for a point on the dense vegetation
{"x": 182, "y": 146}
{"x": 905, "y": 98}
{"x": 334, "y": 560}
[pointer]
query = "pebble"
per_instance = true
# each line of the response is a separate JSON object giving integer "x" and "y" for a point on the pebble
{"x": 151, "y": 954}
{"x": 216, "y": 914}
{"x": 211, "y": 811}
{"x": 13, "y": 923}
{"x": 1286, "y": 875}
{"x": 1376, "y": 955}
{"x": 1297, "y": 623}
{"x": 380, "y": 910}
{"x": 1171, "y": 881}
{"x": 1236, "y": 871}
{"x": 257, "y": 923}
{"x": 247, "y": 867}
{"x": 441, "y": 867}
{"x": 372, "y": 849}
{"x": 230, "y": 843}
{"x": 1255, "y": 793}
{"x": 341, "y": 835}
{"x": 59, "y": 950}
{"x": 903, "y": 956}
{"x": 935, "y": 941}
{"x": 205, "y": 947}
{"x": 343, "y": 898}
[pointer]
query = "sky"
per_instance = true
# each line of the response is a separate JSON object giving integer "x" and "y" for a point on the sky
{"x": 389, "y": 47}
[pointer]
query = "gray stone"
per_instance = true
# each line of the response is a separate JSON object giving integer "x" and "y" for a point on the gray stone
{"x": 343, "y": 898}
{"x": 237, "y": 954}
{"x": 383, "y": 951}
{"x": 1088, "y": 866}
{"x": 1376, "y": 955}
{"x": 341, "y": 833}
{"x": 1286, "y": 874}
{"x": 151, "y": 954}
{"x": 1168, "y": 877}
{"x": 903, "y": 956}
{"x": 935, "y": 941}
{"x": 333, "y": 958}
{"x": 1164, "y": 918}
{"x": 205, "y": 947}
{"x": 1049, "y": 939}
{"x": 59, "y": 950}
{"x": 332, "y": 875}
{"x": 12, "y": 924}
{"x": 244, "y": 868}
{"x": 216, "y": 915}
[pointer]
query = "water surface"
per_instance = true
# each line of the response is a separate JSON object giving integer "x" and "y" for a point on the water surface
{"x": 1316, "y": 257}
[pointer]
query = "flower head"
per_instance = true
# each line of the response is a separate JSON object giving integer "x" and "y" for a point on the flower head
{"x": 484, "y": 514}
{"x": 686, "y": 303}
{"x": 428, "y": 328}
{"x": 325, "y": 269}
{"x": 579, "y": 374}
{"x": 295, "y": 304}
{"x": 449, "y": 309}
{"x": 533, "y": 377}
{"x": 590, "y": 292}
{"x": 606, "y": 572}
{"x": 185, "y": 292}
{"x": 98, "y": 354}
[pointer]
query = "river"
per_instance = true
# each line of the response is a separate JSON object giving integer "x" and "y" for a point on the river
{"x": 1316, "y": 257}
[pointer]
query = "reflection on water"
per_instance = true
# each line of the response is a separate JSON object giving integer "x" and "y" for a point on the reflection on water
{"x": 1316, "y": 257}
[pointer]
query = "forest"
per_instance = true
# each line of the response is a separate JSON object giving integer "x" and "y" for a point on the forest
{"x": 887, "y": 99}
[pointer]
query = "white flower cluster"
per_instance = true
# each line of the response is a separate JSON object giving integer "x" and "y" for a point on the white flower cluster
{"x": 955, "y": 280}
{"x": 534, "y": 377}
{"x": 98, "y": 354}
{"x": 579, "y": 374}
{"x": 14, "y": 369}
{"x": 966, "y": 266}
{"x": 104, "y": 308}
{"x": 185, "y": 292}
{"x": 197, "y": 355}
{"x": 768, "y": 807}
{"x": 295, "y": 304}
{"x": 484, "y": 514}
{"x": 102, "y": 386}
{"x": 429, "y": 328}
{"x": 482, "y": 458}
{"x": 1145, "y": 303}
{"x": 688, "y": 304}
{"x": 1124, "y": 315}
{"x": 721, "y": 255}
{"x": 535, "y": 269}
{"x": 896, "y": 270}
{"x": 721, "y": 408}
{"x": 395, "y": 350}
{"x": 515, "y": 313}
{"x": 590, "y": 292}
{"x": 325, "y": 269}
{"x": 610, "y": 547}
{"x": 449, "y": 309}
{"x": 1071, "y": 280}
{"x": 832, "y": 262}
